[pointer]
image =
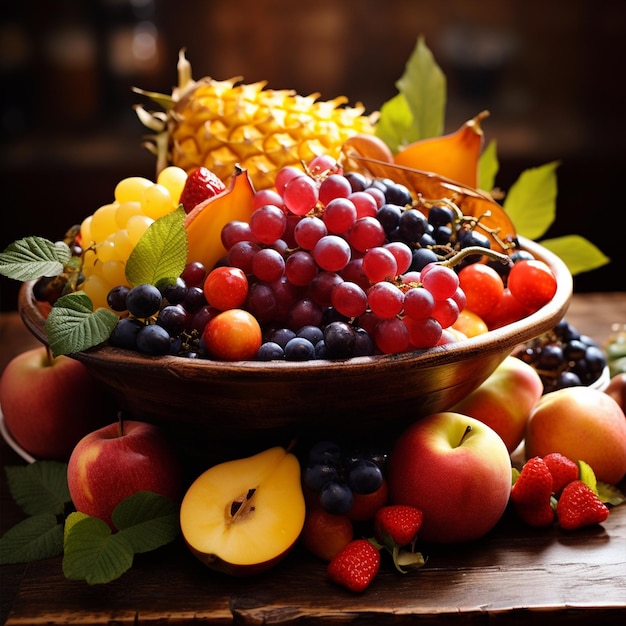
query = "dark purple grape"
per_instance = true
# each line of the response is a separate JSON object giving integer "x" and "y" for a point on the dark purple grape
{"x": 440, "y": 216}
{"x": 282, "y": 336}
{"x": 421, "y": 258}
{"x": 550, "y": 357}
{"x": 175, "y": 292}
{"x": 299, "y": 349}
{"x": 194, "y": 274}
{"x": 124, "y": 335}
{"x": 413, "y": 224}
{"x": 339, "y": 340}
{"x": 365, "y": 477}
{"x": 312, "y": 333}
{"x": 363, "y": 343}
{"x": 397, "y": 193}
{"x": 194, "y": 299}
{"x": 336, "y": 497}
{"x": 357, "y": 181}
{"x": 389, "y": 216}
{"x": 116, "y": 298}
{"x": 173, "y": 318}
{"x": 270, "y": 351}
{"x": 154, "y": 340}
{"x": 143, "y": 301}
{"x": 566, "y": 379}
{"x": 318, "y": 475}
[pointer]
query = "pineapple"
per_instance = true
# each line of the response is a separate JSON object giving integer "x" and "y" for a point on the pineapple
{"x": 221, "y": 124}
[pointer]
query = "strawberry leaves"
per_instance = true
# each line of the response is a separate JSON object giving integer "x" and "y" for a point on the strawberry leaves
{"x": 91, "y": 550}
{"x": 94, "y": 553}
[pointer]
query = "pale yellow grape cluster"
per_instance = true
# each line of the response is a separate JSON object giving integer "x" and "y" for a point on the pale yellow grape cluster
{"x": 112, "y": 231}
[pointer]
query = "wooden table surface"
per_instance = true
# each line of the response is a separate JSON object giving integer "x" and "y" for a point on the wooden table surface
{"x": 515, "y": 575}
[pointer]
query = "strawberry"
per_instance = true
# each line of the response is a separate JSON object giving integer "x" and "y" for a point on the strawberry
{"x": 579, "y": 506}
{"x": 355, "y": 566}
{"x": 563, "y": 470}
{"x": 398, "y": 522}
{"x": 532, "y": 492}
{"x": 201, "y": 185}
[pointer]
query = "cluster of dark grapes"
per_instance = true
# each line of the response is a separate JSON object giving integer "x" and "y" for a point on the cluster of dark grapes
{"x": 564, "y": 358}
{"x": 166, "y": 318}
{"x": 336, "y": 474}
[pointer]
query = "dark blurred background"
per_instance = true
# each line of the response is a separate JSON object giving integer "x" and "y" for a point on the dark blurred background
{"x": 551, "y": 73}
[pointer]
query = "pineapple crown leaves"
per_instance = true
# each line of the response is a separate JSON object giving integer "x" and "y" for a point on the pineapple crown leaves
{"x": 531, "y": 200}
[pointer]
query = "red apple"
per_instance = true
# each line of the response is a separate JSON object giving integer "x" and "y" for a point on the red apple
{"x": 505, "y": 400}
{"x": 454, "y": 468}
{"x": 49, "y": 404}
{"x": 118, "y": 460}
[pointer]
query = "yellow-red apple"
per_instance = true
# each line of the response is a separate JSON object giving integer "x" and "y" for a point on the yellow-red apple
{"x": 241, "y": 517}
{"x": 584, "y": 425}
{"x": 454, "y": 468}
{"x": 49, "y": 403}
{"x": 505, "y": 400}
{"x": 118, "y": 460}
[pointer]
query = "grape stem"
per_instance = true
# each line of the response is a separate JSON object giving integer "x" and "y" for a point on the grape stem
{"x": 472, "y": 250}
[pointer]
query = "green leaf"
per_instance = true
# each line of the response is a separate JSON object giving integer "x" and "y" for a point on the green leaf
{"x": 610, "y": 494}
{"x": 587, "y": 475}
{"x": 161, "y": 252}
{"x": 488, "y": 166}
{"x": 92, "y": 553}
{"x": 73, "y": 326}
{"x": 148, "y": 520}
{"x": 531, "y": 200}
{"x": 395, "y": 119}
{"x": 578, "y": 253}
{"x": 35, "y": 538}
{"x": 72, "y": 519}
{"x": 33, "y": 257}
{"x": 420, "y": 111}
{"x": 40, "y": 487}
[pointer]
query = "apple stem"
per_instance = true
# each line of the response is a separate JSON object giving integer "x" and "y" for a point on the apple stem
{"x": 120, "y": 423}
{"x": 468, "y": 430}
{"x": 49, "y": 357}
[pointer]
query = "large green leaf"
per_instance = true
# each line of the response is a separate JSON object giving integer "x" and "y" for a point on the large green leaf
{"x": 578, "y": 253}
{"x": 148, "y": 520}
{"x": 94, "y": 554}
{"x": 73, "y": 325}
{"x": 488, "y": 166}
{"x": 161, "y": 253}
{"x": 33, "y": 257}
{"x": 418, "y": 111}
{"x": 34, "y": 538}
{"x": 531, "y": 201}
{"x": 39, "y": 487}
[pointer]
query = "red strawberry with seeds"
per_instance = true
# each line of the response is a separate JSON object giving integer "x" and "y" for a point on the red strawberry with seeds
{"x": 398, "y": 522}
{"x": 563, "y": 470}
{"x": 355, "y": 566}
{"x": 201, "y": 185}
{"x": 532, "y": 492}
{"x": 579, "y": 506}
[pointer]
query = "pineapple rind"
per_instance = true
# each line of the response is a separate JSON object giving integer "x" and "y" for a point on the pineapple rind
{"x": 220, "y": 124}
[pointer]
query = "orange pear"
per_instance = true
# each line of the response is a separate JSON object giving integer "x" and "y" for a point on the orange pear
{"x": 454, "y": 156}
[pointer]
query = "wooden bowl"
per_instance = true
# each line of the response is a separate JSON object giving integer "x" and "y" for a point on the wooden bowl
{"x": 254, "y": 401}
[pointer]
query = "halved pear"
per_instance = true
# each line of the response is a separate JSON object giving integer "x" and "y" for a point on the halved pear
{"x": 243, "y": 516}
